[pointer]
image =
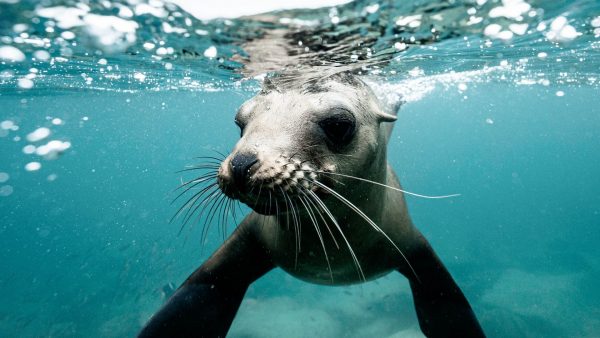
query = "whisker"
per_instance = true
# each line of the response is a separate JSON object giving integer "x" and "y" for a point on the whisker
{"x": 366, "y": 218}
{"x": 196, "y": 179}
{"x": 206, "y": 174}
{"x": 224, "y": 210}
{"x": 211, "y": 200}
{"x": 208, "y": 196}
{"x": 192, "y": 200}
{"x": 296, "y": 229}
{"x": 287, "y": 210}
{"x": 386, "y": 186}
{"x": 226, "y": 216}
{"x": 239, "y": 208}
{"x": 211, "y": 214}
{"x": 214, "y": 209}
{"x": 192, "y": 210}
{"x": 263, "y": 218}
{"x": 195, "y": 205}
{"x": 295, "y": 223}
{"x": 219, "y": 212}
{"x": 309, "y": 199}
{"x": 195, "y": 182}
{"x": 219, "y": 160}
{"x": 316, "y": 226}
{"x": 339, "y": 228}
{"x": 276, "y": 210}
{"x": 312, "y": 158}
{"x": 297, "y": 210}
{"x": 233, "y": 211}
{"x": 270, "y": 201}
{"x": 212, "y": 168}
{"x": 205, "y": 163}
{"x": 277, "y": 220}
{"x": 259, "y": 190}
{"x": 224, "y": 156}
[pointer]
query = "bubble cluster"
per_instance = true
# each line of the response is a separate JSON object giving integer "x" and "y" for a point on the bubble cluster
{"x": 61, "y": 37}
{"x": 561, "y": 30}
{"x": 111, "y": 34}
{"x": 595, "y": 22}
{"x": 52, "y": 149}
{"x": 40, "y": 142}
{"x": 9, "y": 125}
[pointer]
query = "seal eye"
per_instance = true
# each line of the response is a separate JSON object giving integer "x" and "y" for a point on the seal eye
{"x": 339, "y": 129}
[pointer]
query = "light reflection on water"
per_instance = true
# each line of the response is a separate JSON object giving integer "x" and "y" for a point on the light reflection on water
{"x": 139, "y": 46}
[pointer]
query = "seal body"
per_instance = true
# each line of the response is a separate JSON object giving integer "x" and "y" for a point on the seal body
{"x": 312, "y": 164}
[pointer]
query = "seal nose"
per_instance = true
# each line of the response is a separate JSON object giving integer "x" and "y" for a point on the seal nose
{"x": 240, "y": 166}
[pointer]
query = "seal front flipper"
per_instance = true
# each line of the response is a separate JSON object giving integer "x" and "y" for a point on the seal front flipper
{"x": 206, "y": 303}
{"x": 442, "y": 308}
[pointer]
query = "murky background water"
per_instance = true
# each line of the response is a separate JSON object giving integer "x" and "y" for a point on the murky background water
{"x": 102, "y": 102}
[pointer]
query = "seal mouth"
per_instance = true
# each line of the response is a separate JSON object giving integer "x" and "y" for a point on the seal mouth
{"x": 275, "y": 199}
{"x": 277, "y": 186}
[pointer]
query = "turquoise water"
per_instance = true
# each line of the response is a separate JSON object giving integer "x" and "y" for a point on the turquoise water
{"x": 86, "y": 247}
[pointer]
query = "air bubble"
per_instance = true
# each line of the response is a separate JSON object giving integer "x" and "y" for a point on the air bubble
{"x": 7, "y": 124}
{"x": 33, "y": 166}
{"x": 25, "y": 83}
{"x": 29, "y": 149}
{"x": 210, "y": 52}
{"x": 10, "y": 53}
{"x": 139, "y": 76}
{"x": 38, "y": 134}
{"x": 41, "y": 55}
{"x": 6, "y": 190}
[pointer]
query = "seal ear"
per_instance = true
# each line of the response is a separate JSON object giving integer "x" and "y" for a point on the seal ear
{"x": 385, "y": 117}
{"x": 389, "y": 113}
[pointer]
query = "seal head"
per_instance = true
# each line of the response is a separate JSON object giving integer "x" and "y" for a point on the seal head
{"x": 291, "y": 135}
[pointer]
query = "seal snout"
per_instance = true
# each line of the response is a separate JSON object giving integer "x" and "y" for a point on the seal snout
{"x": 241, "y": 165}
{"x": 263, "y": 181}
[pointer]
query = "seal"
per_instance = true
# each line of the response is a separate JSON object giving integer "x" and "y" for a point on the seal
{"x": 327, "y": 208}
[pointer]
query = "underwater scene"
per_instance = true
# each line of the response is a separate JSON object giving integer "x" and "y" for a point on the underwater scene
{"x": 105, "y": 104}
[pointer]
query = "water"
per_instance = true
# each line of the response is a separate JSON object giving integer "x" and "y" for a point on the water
{"x": 509, "y": 121}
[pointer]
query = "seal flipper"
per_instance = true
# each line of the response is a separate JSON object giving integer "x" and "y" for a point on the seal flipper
{"x": 196, "y": 311}
{"x": 206, "y": 303}
{"x": 442, "y": 308}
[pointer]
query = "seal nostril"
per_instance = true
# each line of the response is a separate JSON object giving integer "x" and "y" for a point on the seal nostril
{"x": 240, "y": 166}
